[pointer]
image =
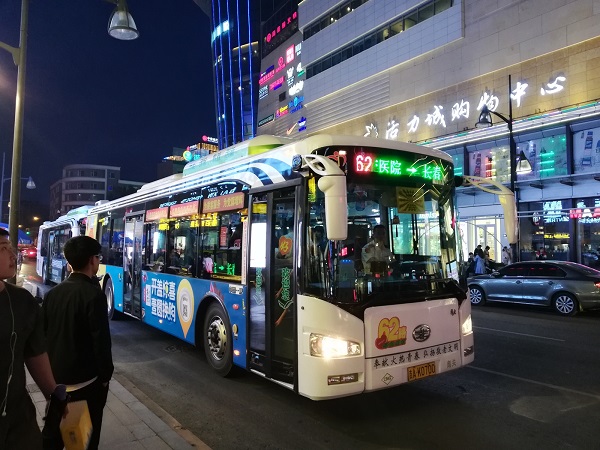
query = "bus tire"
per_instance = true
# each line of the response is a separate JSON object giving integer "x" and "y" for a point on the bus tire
{"x": 217, "y": 339}
{"x": 109, "y": 291}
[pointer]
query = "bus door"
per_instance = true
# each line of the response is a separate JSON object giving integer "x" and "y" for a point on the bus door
{"x": 132, "y": 264}
{"x": 271, "y": 280}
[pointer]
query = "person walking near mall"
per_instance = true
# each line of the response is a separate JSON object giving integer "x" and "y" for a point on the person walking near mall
{"x": 21, "y": 344}
{"x": 79, "y": 346}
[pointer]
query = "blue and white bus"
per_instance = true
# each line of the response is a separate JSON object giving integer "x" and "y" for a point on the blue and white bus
{"x": 51, "y": 264}
{"x": 255, "y": 253}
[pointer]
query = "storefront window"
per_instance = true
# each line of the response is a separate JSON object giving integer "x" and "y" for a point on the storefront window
{"x": 544, "y": 231}
{"x": 587, "y": 216}
{"x": 547, "y": 156}
{"x": 490, "y": 161}
{"x": 586, "y": 150}
{"x": 458, "y": 157}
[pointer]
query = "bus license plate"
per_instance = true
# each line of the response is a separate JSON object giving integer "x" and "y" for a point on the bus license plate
{"x": 421, "y": 371}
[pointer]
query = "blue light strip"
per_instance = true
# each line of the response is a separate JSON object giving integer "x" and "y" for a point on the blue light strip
{"x": 251, "y": 73}
{"x": 216, "y": 73}
{"x": 231, "y": 93}
{"x": 223, "y": 119}
{"x": 240, "y": 71}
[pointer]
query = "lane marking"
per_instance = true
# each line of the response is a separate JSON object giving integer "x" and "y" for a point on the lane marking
{"x": 539, "y": 383}
{"x": 520, "y": 334}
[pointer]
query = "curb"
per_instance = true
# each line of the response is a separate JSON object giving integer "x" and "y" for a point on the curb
{"x": 186, "y": 434}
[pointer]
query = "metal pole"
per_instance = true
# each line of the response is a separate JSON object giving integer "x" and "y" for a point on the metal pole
{"x": 15, "y": 188}
{"x": 513, "y": 161}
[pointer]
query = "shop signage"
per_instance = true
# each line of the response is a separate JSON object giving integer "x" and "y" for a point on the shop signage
{"x": 266, "y": 120}
{"x": 437, "y": 115}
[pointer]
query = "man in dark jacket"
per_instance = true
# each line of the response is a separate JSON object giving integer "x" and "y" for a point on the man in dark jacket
{"x": 78, "y": 336}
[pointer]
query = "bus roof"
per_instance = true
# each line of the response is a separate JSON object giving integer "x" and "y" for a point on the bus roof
{"x": 253, "y": 161}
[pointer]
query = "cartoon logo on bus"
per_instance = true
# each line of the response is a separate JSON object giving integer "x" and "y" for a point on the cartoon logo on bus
{"x": 390, "y": 333}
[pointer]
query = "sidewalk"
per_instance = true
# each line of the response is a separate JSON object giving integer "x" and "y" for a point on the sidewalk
{"x": 131, "y": 422}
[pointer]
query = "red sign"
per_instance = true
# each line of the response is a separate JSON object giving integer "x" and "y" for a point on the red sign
{"x": 223, "y": 203}
{"x": 157, "y": 214}
{"x": 185, "y": 209}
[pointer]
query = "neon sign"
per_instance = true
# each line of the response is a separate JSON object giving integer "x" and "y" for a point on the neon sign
{"x": 368, "y": 163}
{"x": 281, "y": 26}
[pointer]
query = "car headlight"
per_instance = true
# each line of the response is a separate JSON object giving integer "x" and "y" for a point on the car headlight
{"x": 330, "y": 347}
{"x": 467, "y": 326}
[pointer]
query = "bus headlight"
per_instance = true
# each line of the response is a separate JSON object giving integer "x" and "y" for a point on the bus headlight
{"x": 329, "y": 347}
{"x": 467, "y": 326}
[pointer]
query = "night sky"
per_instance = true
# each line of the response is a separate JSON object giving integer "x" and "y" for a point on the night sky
{"x": 90, "y": 98}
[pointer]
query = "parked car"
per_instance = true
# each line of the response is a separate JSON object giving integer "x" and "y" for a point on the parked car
{"x": 565, "y": 286}
{"x": 29, "y": 252}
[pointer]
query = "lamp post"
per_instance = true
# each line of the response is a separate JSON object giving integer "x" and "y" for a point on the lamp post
{"x": 522, "y": 166}
{"x": 19, "y": 57}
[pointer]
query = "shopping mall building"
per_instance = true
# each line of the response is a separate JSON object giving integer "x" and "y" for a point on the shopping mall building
{"x": 423, "y": 71}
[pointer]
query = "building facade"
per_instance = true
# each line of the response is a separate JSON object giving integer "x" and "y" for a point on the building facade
{"x": 85, "y": 184}
{"x": 236, "y": 56}
{"x": 423, "y": 71}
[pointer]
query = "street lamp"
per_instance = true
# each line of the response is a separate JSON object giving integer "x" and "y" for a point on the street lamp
{"x": 517, "y": 166}
{"x": 121, "y": 25}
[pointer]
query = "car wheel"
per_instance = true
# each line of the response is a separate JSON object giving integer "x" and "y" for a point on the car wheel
{"x": 217, "y": 340}
{"x": 476, "y": 295}
{"x": 565, "y": 304}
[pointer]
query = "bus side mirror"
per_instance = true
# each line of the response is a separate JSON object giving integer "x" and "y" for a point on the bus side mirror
{"x": 336, "y": 206}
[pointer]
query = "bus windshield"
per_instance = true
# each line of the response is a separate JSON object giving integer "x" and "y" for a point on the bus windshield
{"x": 401, "y": 243}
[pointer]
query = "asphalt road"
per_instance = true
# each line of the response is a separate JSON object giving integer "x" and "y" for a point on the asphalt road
{"x": 535, "y": 384}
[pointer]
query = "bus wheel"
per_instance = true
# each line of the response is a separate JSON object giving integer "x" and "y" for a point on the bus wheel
{"x": 217, "y": 339}
{"x": 109, "y": 291}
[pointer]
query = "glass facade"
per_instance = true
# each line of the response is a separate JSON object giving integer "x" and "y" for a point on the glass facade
{"x": 559, "y": 226}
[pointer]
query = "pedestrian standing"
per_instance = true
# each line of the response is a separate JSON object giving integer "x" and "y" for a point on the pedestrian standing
{"x": 479, "y": 264}
{"x": 21, "y": 344}
{"x": 78, "y": 335}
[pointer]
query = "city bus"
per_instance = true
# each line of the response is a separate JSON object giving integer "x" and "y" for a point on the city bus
{"x": 51, "y": 264}
{"x": 256, "y": 254}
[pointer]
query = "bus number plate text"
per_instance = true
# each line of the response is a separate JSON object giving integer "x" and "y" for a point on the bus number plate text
{"x": 421, "y": 371}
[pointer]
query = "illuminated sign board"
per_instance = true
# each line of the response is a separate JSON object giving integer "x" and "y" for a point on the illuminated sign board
{"x": 276, "y": 84}
{"x": 398, "y": 164}
{"x": 282, "y": 26}
{"x": 211, "y": 140}
{"x": 157, "y": 214}
{"x": 263, "y": 92}
{"x": 266, "y": 120}
{"x": 223, "y": 203}
{"x": 266, "y": 75}
{"x": 185, "y": 209}
{"x": 221, "y": 29}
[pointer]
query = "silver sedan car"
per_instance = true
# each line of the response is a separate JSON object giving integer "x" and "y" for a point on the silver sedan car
{"x": 565, "y": 286}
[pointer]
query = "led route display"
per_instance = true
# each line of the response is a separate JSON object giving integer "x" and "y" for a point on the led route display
{"x": 368, "y": 163}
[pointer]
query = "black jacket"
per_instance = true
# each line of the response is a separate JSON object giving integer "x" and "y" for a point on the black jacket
{"x": 76, "y": 325}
